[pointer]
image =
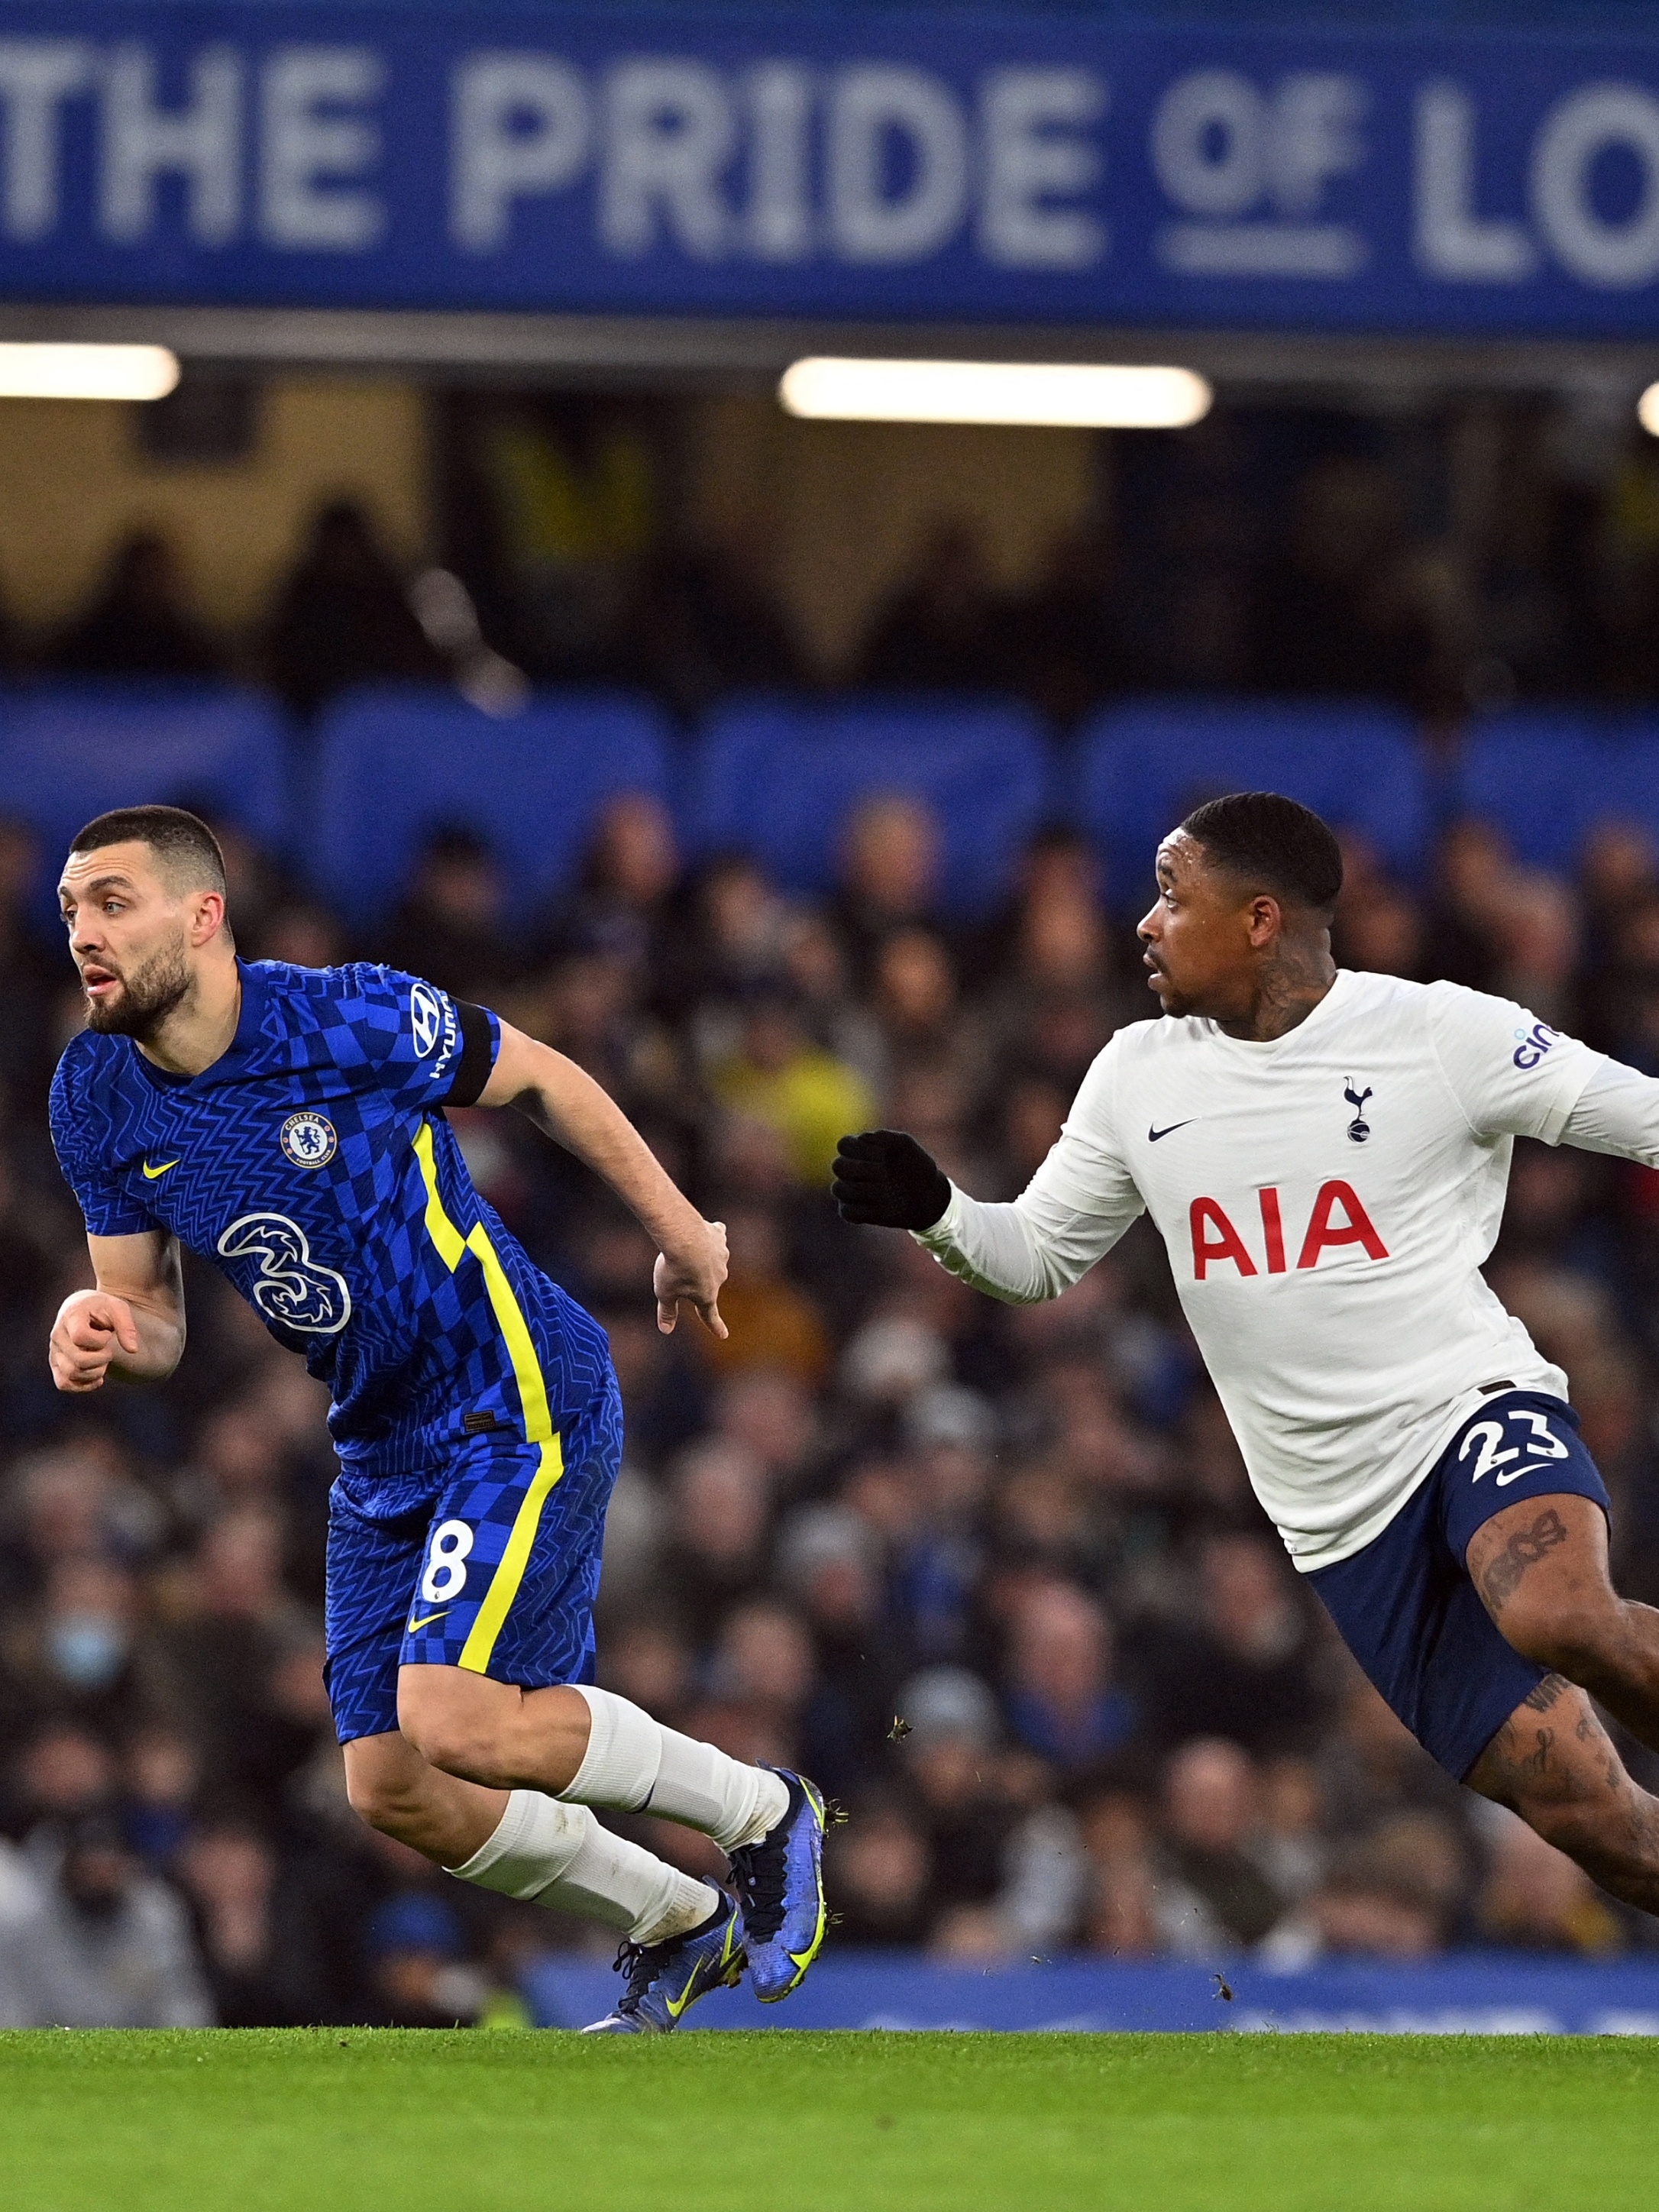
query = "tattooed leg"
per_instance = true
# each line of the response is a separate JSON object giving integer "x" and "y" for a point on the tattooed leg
{"x": 1540, "y": 1567}
{"x": 1553, "y": 1763}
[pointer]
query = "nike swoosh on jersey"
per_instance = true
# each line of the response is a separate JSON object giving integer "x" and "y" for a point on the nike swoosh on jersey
{"x": 425, "y": 1621}
{"x": 1538, "y": 1467}
{"x": 1152, "y": 1135}
{"x": 152, "y": 1175}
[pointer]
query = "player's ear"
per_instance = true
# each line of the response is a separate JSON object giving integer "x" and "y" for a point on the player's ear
{"x": 1265, "y": 920}
{"x": 207, "y": 916}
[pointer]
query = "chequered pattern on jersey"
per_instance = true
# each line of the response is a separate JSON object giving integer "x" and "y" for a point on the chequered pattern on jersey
{"x": 378, "y": 1559}
{"x": 373, "y": 1052}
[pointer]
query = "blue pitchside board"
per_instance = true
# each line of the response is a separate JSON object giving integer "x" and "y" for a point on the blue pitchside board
{"x": 1476, "y": 1993}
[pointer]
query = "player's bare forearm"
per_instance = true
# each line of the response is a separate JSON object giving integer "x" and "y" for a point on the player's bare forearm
{"x": 565, "y": 1104}
{"x": 131, "y": 1327}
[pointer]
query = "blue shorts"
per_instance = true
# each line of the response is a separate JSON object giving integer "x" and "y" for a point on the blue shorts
{"x": 495, "y": 1568}
{"x": 1406, "y": 1606}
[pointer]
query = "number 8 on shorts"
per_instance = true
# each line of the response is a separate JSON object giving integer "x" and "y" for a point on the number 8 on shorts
{"x": 446, "y": 1571}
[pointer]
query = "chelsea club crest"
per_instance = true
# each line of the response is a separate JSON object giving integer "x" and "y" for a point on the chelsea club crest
{"x": 309, "y": 1140}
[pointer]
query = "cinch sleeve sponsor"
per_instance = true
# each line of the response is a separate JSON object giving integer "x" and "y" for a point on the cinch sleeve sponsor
{"x": 1512, "y": 1074}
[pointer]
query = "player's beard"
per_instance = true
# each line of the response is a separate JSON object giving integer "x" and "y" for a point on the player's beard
{"x": 147, "y": 996}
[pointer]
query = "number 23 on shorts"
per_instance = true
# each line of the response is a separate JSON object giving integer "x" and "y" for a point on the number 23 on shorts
{"x": 446, "y": 1563}
{"x": 1542, "y": 1444}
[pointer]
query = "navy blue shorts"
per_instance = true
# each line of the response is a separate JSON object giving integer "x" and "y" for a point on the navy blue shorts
{"x": 494, "y": 1569}
{"x": 1406, "y": 1606}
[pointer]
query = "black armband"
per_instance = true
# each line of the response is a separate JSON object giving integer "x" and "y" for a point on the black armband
{"x": 477, "y": 1055}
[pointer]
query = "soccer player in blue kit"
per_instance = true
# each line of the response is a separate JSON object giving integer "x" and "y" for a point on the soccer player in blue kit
{"x": 285, "y": 1124}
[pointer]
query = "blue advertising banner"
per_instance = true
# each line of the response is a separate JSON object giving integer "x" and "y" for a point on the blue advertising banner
{"x": 1478, "y": 1993}
{"x": 981, "y": 169}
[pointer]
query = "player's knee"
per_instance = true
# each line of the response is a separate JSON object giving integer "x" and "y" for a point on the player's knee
{"x": 1577, "y": 1640}
{"x": 379, "y": 1803}
{"x": 451, "y": 1730}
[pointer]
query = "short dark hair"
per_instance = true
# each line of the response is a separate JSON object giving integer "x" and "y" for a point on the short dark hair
{"x": 185, "y": 849}
{"x": 1274, "y": 841}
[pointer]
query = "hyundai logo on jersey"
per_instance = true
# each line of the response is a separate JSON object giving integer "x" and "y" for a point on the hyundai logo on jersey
{"x": 308, "y": 1140}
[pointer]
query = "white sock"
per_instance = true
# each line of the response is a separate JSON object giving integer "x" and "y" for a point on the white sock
{"x": 635, "y": 1765}
{"x": 549, "y": 1853}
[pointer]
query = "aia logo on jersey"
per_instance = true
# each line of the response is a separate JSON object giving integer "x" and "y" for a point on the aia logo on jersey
{"x": 308, "y": 1140}
{"x": 433, "y": 1026}
{"x": 1338, "y": 1218}
{"x": 1535, "y": 1043}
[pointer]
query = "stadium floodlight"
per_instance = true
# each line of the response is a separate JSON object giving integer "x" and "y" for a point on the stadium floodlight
{"x": 1043, "y": 394}
{"x": 1647, "y": 410}
{"x": 87, "y": 372}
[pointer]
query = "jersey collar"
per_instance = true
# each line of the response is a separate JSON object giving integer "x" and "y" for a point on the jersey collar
{"x": 233, "y": 1061}
{"x": 1264, "y": 1047}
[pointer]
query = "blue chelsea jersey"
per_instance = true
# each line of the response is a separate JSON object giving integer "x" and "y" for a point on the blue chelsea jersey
{"x": 312, "y": 1166}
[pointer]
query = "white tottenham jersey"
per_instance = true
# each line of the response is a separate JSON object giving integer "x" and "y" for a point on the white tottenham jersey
{"x": 1327, "y": 1200}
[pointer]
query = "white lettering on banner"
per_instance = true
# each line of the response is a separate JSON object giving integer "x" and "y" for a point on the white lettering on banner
{"x": 201, "y": 142}
{"x": 670, "y": 131}
{"x": 1207, "y": 137}
{"x": 36, "y": 76}
{"x": 778, "y": 97}
{"x": 300, "y": 144}
{"x": 520, "y": 127}
{"x": 1314, "y": 135}
{"x": 1452, "y": 239}
{"x": 871, "y": 105}
{"x": 1612, "y": 255}
{"x": 1220, "y": 147}
{"x": 1033, "y": 156}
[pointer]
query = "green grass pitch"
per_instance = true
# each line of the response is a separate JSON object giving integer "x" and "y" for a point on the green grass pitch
{"x": 314, "y": 2120}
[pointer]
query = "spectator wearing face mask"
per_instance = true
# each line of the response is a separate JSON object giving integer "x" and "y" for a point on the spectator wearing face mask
{"x": 102, "y": 1945}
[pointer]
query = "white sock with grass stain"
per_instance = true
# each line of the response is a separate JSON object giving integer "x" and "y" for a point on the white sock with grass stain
{"x": 635, "y": 1765}
{"x": 546, "y": 1852}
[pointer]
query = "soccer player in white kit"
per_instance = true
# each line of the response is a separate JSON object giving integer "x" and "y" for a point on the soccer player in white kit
{"x": 1325, "y": 1154}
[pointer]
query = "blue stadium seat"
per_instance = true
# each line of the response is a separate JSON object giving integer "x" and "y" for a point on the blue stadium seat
{"x": 395, "y": 763}
{"x": 1625, "y": 778}
{"x": 69, "y": 751}
{"x": 777, "y": 778}
{"x": 1546, "y": 776}
{"x": 1140, "y": 767}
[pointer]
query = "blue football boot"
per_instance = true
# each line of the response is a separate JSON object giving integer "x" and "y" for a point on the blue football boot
{"x": 780, "y": 1886}
{"x": 664, "y": 1978}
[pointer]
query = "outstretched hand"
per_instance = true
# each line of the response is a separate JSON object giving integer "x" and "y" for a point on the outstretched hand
{"x": 692, "y": 1274}
{"x": 885, "y": 1178}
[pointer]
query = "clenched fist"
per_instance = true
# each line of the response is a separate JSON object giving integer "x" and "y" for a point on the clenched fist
{"x": 91, "y": 1327}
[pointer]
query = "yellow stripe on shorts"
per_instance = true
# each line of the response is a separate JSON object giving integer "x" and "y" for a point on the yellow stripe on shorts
{"x": 452, "y": 1248}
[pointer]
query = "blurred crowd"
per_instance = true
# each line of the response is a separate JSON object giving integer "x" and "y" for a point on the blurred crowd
{"x": 994, "y": 1576}
{"x": 1455, "y": 558}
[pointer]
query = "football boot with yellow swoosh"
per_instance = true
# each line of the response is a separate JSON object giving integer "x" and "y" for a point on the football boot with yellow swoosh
{"x": 665, "y": 1980}
{"x": 780, "y": 1886}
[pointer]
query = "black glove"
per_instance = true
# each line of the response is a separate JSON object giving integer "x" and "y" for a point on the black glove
{"x": 884, "y": 1177}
